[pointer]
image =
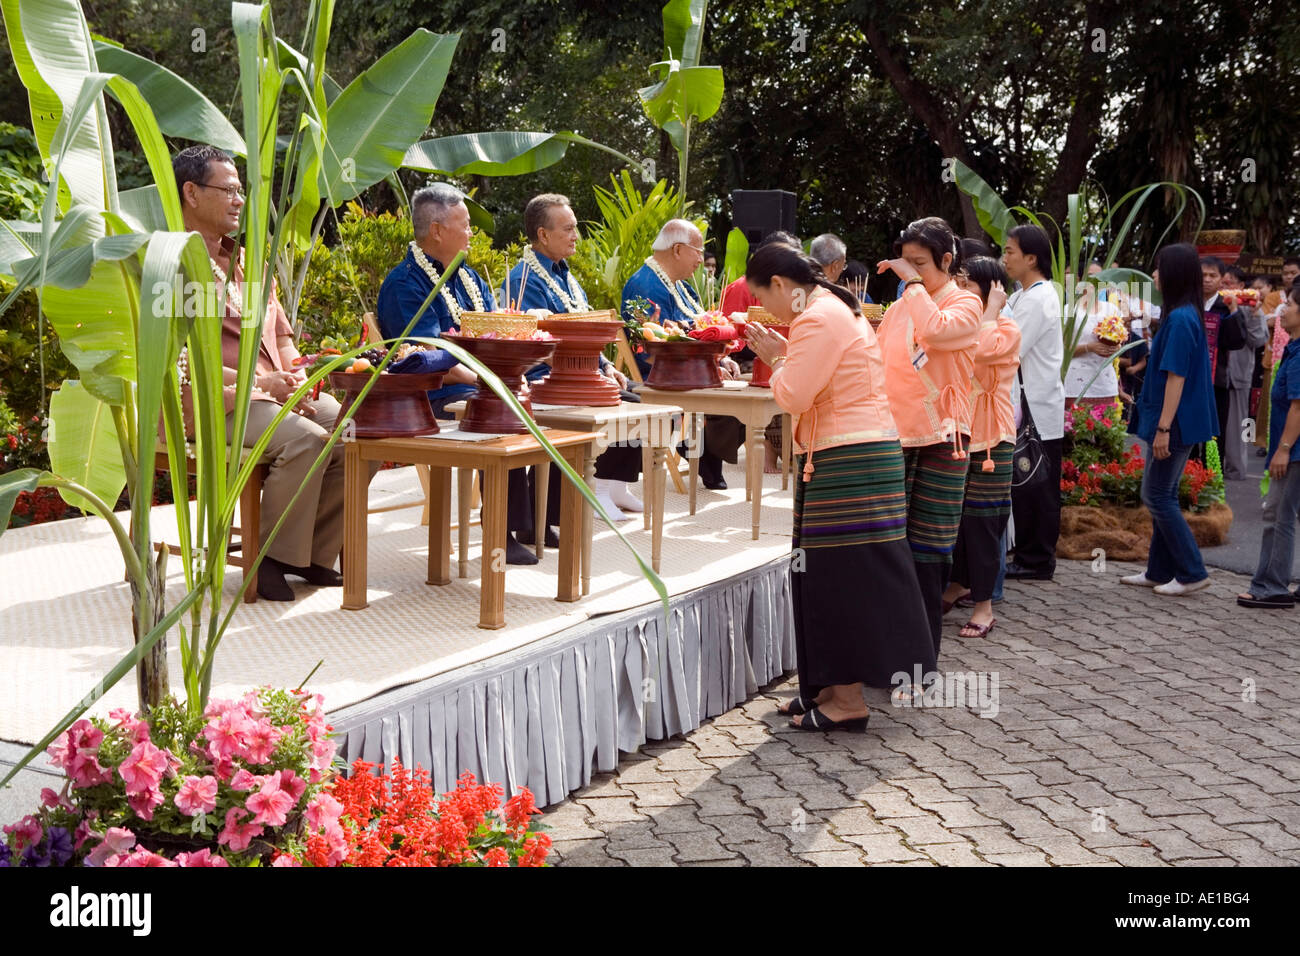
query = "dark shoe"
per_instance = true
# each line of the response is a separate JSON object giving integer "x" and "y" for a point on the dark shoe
{"x": 1019, "y": 573}
{"x": 710, "y": 469}
{"x": 718, "y": 484}
{"x": 816, "y": 720}
{"x": 1281, "y": 602}
{"x": 516, "y": 553}
{"x": 322, "y": 576}
{"x": 271, "y": 584}
{"x": 526, "y": 537}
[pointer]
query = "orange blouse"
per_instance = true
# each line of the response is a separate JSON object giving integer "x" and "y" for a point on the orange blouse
{"x": 929, "y": 349}
{"x": 833, "y": 379}
{"x": 997, "y": 358}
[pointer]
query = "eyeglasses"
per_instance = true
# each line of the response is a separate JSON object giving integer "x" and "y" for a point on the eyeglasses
{"x": 699, "y": 249}
{"x": 230, "y": 191}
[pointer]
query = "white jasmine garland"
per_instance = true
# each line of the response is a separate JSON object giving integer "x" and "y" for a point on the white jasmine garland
{"x": 671, "y": 286}
{"x": 572, "y": 297}
{"x": 452, "y": 305}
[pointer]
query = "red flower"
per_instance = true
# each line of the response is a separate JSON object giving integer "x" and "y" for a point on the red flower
{"x": 519, "y": 809}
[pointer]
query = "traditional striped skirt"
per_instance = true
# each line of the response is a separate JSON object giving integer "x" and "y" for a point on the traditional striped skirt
{"x": 936, "y": 488}
{"x": 858, "y": 609}
{"x": 988, "y": 493}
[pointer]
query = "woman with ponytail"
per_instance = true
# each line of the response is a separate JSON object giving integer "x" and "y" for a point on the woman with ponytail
{"x": 858, "y": 610}
{"x": 987, "y": 506}
{"x": 928, "y": 339}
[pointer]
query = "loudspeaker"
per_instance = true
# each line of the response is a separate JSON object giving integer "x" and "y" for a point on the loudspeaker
{"x": 758, "y": 212}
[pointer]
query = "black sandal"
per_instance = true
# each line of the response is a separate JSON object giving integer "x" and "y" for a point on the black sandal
{"x": 1283, "y": 601}
{"x": 798, "y": 705}
{"x": 814, "y": 719}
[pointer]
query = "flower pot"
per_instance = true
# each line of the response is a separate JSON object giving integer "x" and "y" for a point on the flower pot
{"x": 396, "y": 407}
{"x": 575, "y": 377}
{"x": 684, "y": 365}
{"x": 508, "y": 359}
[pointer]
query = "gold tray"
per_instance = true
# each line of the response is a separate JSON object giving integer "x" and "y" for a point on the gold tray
{"x": 504, "y": 324}
{"x": 760, "y": 316}
{"x": 596, "y": 315}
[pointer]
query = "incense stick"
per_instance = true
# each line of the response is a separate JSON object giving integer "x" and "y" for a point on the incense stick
{"x": 519, "y": 307}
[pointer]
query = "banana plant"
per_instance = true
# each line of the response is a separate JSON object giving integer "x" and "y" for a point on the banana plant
{"x": 1078, "y": 241}
{"x": 121, "y": 300}
{"x": 686, "y": 92}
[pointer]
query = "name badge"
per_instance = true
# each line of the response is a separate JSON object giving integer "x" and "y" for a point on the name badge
{"x": 919, "y": 359}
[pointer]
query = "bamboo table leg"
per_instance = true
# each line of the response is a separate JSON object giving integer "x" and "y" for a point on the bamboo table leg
{"x": 755, "y": 463}
{"x": 354, "y": 528}
{"x": 787, "y": 439}
{"x": 693, "y": 456}
{"x": 492, "y": 605}
{"x": 438, "y": 504}
{"x": 585, "y": 466}
{"x": 656, "y": 489}
{"x": 572, "y": 550}
{"x": 464, "y": 488}
{"x": 543, "y": 475}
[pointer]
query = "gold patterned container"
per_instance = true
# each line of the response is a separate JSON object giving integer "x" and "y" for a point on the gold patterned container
{"x": 505, "y": 324}
{"x": 596, "y": 315}
{"x": 760, "y": 316}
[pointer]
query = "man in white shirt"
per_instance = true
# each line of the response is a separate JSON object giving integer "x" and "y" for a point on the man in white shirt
{"x": 1036, "y": 307}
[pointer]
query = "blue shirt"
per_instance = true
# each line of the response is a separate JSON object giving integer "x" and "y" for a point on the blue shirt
{"x": 1286, "y": 389}
{"x": 538, "y": 295}
{"x": 1180, "y": 348}
{"x": 403, "y": 292}
{"x": 646, "y": 285}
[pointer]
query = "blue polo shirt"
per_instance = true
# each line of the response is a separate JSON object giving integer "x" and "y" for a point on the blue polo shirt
{"x": 645, "y": 284}
{"x": 1286, "y": 389}
{"x": 1180, "y": 348}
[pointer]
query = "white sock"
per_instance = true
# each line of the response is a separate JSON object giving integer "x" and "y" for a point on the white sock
{"x": 622, "y": 495}
{"x": 603, "y": 495}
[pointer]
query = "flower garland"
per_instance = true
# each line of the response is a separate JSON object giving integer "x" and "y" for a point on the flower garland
{"x": 670, "y": 285}
{"x": 573, "y": 299}
{"x": 452, "y": 305}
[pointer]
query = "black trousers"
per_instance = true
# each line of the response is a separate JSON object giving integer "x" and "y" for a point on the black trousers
{"x": 1037, "y": 511}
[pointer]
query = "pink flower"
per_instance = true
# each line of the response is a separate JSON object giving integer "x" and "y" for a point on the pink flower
{"x": 138, "y": 729}
{"x": 292, "y": 784}
{"x": 226, "y": 733}
{"x": 142, "y": 770}
{"x": 197, "y": 795}
{"x": 337, "y": 840}
{"x": 322, "y": 752}
{"x": 117, "y": 840}
{"x": 285, "y": 860}
{"x": 323, "y": 811}
{"x": 261, "y": 740}
{"x": 142, "y": 803}
{"x": 83, "y": 833}
{"x": 145, "y": 858}
{"x": 50, "y": 798}
{"x": 243, "y": 780}
{"x": 222, "y": 765}
{"x": 235, "y": 835}
{"x": 86, "y": 771}
{"x": 26, "y": 831}
{"x": 204, "y": 857}
{"x": 270, "y": 804}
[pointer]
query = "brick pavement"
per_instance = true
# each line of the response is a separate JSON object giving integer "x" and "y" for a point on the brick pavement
{"x": 1130, "y": 730}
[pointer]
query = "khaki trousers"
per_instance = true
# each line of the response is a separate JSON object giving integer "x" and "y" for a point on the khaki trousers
{"x": 313, "y": 532}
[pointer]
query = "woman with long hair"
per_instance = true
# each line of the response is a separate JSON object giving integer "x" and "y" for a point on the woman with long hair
{"x": 987, "y": 506}
{"x": 928, "y": 339}
{"x": 858, "y": 610}
{"x": 1175, "y": 411}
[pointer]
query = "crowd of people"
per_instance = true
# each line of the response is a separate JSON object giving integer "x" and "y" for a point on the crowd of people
{"x": 917, "y": 442}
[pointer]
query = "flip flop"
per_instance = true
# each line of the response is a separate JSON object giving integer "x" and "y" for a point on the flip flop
{"x": 977, "y": 630}
{"x": 1282, "y": 601}
{"x": 816, "y": 720}
{"x": 798, "y": 705}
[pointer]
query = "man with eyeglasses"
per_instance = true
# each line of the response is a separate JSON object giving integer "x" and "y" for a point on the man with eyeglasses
{"x": 312, "y": 537}
{"x": 676, "y": 253}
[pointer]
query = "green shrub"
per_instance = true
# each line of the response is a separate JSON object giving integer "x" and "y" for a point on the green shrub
{"x": 21, "y": 188}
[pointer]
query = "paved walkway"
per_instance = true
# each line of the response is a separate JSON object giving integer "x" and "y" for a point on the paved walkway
{"x": 1130, "y": 730}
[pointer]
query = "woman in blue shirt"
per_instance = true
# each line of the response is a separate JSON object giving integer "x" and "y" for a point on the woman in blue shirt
{"x": 1269, "y": 587}
{"x": 1175, "y": 411}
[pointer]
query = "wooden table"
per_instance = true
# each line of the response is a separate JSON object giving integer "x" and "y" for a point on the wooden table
{"x": 753, "y": 406}
{"x": 495, "y": 457}
{"x": 649, "y": 425}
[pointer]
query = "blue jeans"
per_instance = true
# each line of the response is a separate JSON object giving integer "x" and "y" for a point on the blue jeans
{"x": 1002, "y": 568}
{"x": 1174, "y": 553}
{"x": 1277, "y": 548}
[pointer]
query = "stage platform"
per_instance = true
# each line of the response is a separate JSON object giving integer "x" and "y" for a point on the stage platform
{"x": 543, "y": 703}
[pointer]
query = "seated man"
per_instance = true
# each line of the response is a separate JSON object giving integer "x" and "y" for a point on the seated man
{"x": 552, "y": 231}
{"x": 676, "y": 252}
{"x": 311, "y": 538}
{"x": 440, "y": 220}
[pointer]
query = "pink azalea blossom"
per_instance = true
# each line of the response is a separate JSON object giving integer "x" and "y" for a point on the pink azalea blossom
{"x": 117, "y": 841}
{"x": 285, "y": 860}
{"x": 145, "y": 858}
{"x": 270, "y": 804}
{"x": 142, "y": 803}
{"x": 204, "y": 857}
{"x": 197, "y": 795}
{"x": 323, "y": 811}
{"x": 261, "y": 740}
{"x": 235, "y": 835}
{"x": 144, "y": 767}
{"x": 226, "y": 733}
{"x": 26, "y": 831}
